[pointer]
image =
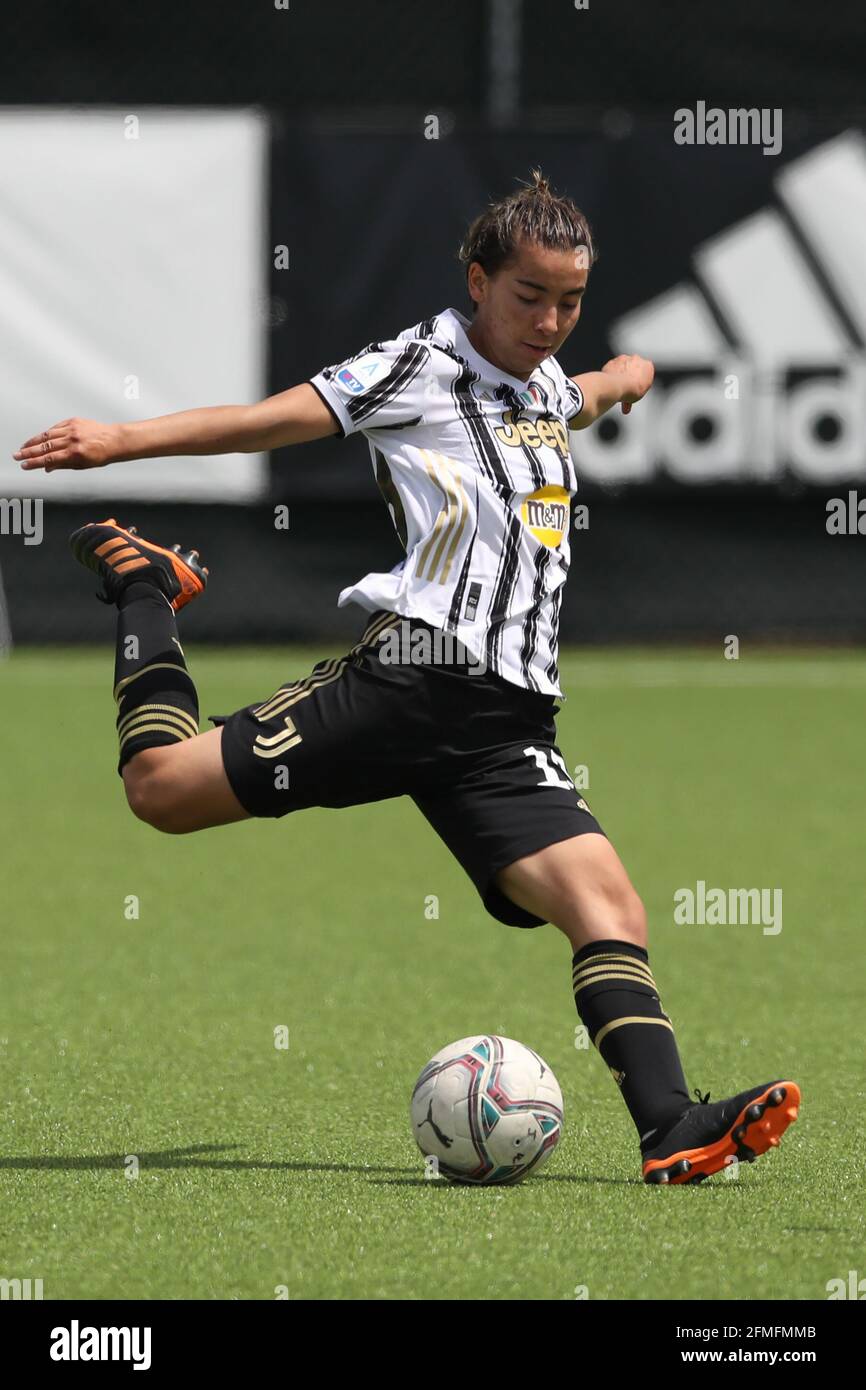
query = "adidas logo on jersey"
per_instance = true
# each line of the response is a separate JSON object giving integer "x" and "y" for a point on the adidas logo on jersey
{"x": 760, "y": 358}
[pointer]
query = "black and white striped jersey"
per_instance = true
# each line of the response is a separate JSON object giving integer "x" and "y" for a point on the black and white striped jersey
{"x": 477, "y": 473}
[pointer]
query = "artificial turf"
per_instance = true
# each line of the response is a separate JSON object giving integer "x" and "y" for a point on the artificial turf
{"x": 147, "y": 1043}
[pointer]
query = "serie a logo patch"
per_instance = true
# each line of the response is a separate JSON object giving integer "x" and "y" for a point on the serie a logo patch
{"x": 364, "y": 373}
{"x": 545, "y": 512}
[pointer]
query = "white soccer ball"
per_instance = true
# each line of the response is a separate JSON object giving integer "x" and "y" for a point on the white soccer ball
{"x": 487, "y": 1110}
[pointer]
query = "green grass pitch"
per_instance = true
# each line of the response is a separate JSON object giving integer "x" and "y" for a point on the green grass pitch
{"x": 262, "y": 1169}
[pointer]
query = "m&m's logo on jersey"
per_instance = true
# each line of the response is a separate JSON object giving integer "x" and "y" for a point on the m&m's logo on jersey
{"x": 545, "y": 512}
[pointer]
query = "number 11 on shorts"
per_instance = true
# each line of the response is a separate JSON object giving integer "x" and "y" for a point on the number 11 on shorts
{"x": 544, "y": 760}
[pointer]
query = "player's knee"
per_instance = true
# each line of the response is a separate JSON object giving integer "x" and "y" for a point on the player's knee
{"x": 150, "y": 799}
{"x": 619, "y": 912}
{"x": 615, "y": 903}
{"x": 616, "y": 914}
{"x": 631, "y": 918}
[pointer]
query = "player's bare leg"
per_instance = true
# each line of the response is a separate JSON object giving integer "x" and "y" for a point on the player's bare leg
{"x": 581, "y": 886}
{"x": 182, "y": 787}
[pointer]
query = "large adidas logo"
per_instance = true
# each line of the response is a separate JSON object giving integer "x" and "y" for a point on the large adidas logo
{"x": 761, "y": 360}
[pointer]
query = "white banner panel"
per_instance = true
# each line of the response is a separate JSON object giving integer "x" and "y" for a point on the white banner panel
{"x": 133, "y": 271}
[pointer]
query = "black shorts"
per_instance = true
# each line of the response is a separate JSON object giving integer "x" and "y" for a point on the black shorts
{"x": 476, "y": 754}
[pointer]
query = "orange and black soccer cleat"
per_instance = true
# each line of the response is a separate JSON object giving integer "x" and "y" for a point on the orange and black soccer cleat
{"x": 119, "y": 557}
{"x": 707, "y": 1138}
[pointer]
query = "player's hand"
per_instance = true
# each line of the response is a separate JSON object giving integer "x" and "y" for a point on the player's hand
{"x": 639, "y": 373}
{"x": 71, "y": 444}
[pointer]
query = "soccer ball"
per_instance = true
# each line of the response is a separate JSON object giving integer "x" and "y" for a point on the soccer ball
{"x": 488, "y": 1109}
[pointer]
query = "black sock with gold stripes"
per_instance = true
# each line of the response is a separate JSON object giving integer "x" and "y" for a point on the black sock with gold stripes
{"x": 618, "y": 1001}
{"x": 156, "y": 699}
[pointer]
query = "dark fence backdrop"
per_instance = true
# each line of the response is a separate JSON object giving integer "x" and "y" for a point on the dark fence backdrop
{"x": 372, "y": 213}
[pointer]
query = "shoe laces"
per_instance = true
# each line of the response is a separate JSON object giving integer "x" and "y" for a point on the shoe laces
{"x": 704, "y": 1100}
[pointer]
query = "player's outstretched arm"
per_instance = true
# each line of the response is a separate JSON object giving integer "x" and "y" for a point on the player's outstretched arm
{"x": 623, "y": 380}
{"x": 296, "y": 416}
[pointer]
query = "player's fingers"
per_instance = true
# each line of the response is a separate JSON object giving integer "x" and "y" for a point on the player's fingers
{"x": 42, "y": 444}
{"x": 46, "y": 458}
{"x": 38, "y": 455}
{"x": 57, "y": 431}
{"x": 626, "y": 407}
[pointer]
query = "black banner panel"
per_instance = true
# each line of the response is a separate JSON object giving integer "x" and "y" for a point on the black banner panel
{"x": 739, "y": 269}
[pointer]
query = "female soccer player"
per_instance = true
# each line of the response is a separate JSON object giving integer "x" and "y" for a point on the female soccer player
{"x": 450, "y": 694}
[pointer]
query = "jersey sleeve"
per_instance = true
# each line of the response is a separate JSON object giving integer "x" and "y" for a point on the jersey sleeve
{"x": 570, "y": 395}
{"x": 381, "y": 387}
{"x": 572, "y": 400}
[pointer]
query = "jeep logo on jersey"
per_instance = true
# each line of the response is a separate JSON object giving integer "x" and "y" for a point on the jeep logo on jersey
{"x": 545, "y": 512}
{"x": 544, "y": 432}
{"x": 364, "y": 372}
{"x": 759, "y": 352}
